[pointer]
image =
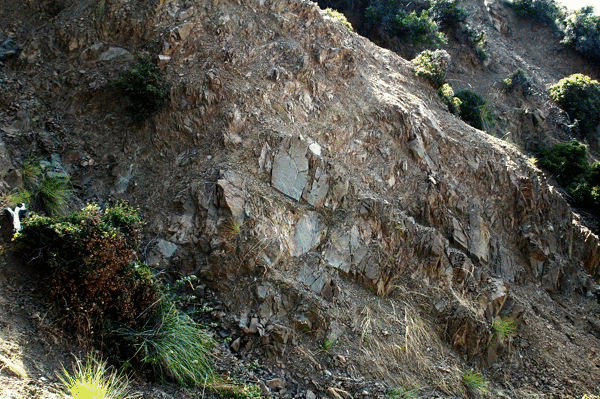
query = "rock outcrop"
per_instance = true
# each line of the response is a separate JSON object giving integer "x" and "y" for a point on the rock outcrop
{"x": 294, "y": 150}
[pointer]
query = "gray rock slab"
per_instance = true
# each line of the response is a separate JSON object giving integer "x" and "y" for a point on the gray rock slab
{"x": 290, "y": 169}
{"x": 337, "y": 254}
{"x": 308, "y": 234}
{"x": 116, "y": 54}
{"x": 479, "y": 235}
{"x": 318, "y": 189}
{"x": 166, "y": 248}
{"x": 312, "y": 277}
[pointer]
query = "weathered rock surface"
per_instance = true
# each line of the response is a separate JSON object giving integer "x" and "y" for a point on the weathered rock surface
{"x": 306, "y": 175}
{"x": 290, "y": 169}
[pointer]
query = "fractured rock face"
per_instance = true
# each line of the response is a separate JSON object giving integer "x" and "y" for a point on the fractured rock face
{"x": 308, "y": 234}
{"x": 290, "y": 169}
{"x": 479, "y": 237}
{"x": 231, "y": 187}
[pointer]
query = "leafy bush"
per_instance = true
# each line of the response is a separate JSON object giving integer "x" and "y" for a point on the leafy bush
{"x": 144, "y": 85}
{"x": 475, "y": 111}
{"x": 95, "y": 275}
{"x": 579, "y": 95}
{"x": 432, "y": 65}
{"x": 517, "y": 80}
{"x": 93, "y": 379}
{"x": 582, "y": 32}
{"x": 108, "y": 295}
{"x": 381, "y": 13}
{"x": 569, "y": 165}
{"x": 545, "y": 11}
{"x": 480, "y": 43}
{"x": 566, "y": 161}
{"x": 448, "y": 14}
{"x": 418, "y": 28}
{"x": 446, "y": 93}
{"x": 339, "y": 17}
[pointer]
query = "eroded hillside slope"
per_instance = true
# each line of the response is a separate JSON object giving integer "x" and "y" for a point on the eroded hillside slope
{"x": 357, "y": 235}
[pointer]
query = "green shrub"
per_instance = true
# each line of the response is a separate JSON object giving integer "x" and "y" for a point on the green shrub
{"x": 446, "y": 93}
{"x": 418, "y": 29}
{"x": 109, "y": 296}
{"x": 548, "y": 12}
{"x": 569, "y": 165}
{"x": 566, "y": 161}
{"x": 579, "y": 95}
{"x": 582, "y": 32}
{"x": 475, "y": 111}
{"x": 144, "y": 85}
{"x": 339, "y": 17}
{"x": 381, "y": 13}
{"x": 54, "y": 194}
{"x": 432, "y": 65}
{"x": 474, "y": 381}
{"x": 517, "y": 80}
{"x": 95, "y": 275}
{"x": 448, "y": 14}
{"x": 480, "y": 44}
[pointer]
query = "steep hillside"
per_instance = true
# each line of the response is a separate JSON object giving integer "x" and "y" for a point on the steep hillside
{"x": 349, "y": 233}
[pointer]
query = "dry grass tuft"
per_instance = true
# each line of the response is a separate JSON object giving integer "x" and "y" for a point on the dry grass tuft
{"x": 398, "y": 345}
{"x": 13, "y": 367}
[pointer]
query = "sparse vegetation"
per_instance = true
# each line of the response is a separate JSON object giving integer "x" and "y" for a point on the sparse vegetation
{"x": 93, "y": 379}
{"x": 328, "y": 345}
{"x": 339, "y": 17}
{"x": 144, "y": 85}
{"x": 432, "y": 65}
{"x": 231, "y": 389}
{"x": 518, "y": 80}
{"x": 475, "y": 111}
{"x": 579, "y": 95}
{"x": 400, "y": 393}
{"x": 110, "y": 297}
{"x": 46, "y": 186}
{"x": 474, "y": 381}
{"x": 505, "y": 328}
{"x": 580, "y": 29}
{"x": 230, "y": 229}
